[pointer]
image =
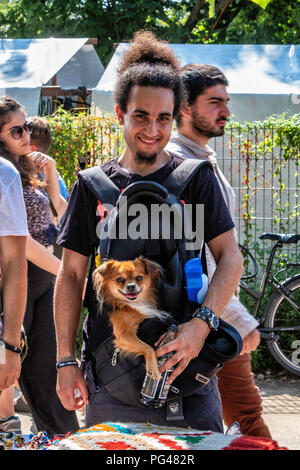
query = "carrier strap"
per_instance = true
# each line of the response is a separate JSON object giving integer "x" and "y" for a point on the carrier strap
{"x": 107, "y": 192}
{"x": 100, "y": 185}
{"x": 177, "y": 181}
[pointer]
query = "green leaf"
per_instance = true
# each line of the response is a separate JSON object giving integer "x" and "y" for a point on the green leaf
{"x": 261, "y": 3}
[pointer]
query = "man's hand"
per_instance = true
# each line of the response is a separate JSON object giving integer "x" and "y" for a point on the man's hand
{"x": 71, "y": 388}
{"x": 251, "y": 342}
{"x": 10, "y": 371}
{"x": 186, "y": 346}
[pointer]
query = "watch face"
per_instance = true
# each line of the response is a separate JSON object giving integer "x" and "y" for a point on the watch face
{"x": 210, "y": 316}
{"x": 215, "y": 322}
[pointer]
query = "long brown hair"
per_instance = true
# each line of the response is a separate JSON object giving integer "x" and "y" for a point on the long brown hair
{"x": 25, "y": 166}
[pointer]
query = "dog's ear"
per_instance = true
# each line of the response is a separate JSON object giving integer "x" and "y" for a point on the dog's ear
{"x": 151, "y": 267}
{"x": 98, "y": 276}
{"x": 104, "y": 268}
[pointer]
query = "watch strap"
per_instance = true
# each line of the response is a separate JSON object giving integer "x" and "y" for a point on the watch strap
{"x": 205, "y": 314}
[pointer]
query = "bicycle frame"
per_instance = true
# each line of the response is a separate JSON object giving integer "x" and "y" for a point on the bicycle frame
{"x": 258, "y": 295}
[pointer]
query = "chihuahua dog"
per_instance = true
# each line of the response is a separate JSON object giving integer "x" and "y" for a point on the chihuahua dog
{"x": 128, "y": 288}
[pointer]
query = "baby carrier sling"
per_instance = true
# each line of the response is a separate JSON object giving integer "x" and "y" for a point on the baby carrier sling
{"x": 123, "y": 376}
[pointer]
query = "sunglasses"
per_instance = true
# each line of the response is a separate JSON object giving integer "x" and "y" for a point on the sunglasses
{"x": 17, "y": 131}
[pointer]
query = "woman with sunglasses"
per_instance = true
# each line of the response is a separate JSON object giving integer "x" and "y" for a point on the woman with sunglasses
{"x": 38, "y": 373}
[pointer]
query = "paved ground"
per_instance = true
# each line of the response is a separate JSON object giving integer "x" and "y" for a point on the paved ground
{"x": 281, "y": 402}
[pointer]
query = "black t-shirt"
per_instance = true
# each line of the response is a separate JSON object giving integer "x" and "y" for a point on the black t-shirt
{"x": 78, "y": 231}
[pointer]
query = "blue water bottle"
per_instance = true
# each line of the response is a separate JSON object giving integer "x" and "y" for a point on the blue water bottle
{"x": 196, "y": 280}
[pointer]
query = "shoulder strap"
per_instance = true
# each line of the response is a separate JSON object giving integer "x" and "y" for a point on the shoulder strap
{"x": 100, "y": 185}
{"x": 105, "y": 190}
{"x": 53, "y": 208}
{"x": 177, "y": 181}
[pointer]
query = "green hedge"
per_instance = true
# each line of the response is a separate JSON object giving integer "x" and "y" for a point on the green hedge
{"x": 82, "y": 137}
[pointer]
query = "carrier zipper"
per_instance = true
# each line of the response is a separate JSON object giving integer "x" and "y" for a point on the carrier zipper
{"x": 115, "y": 356}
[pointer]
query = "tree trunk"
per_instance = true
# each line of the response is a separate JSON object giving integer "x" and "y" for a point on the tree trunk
{"x": 195, "y": 14}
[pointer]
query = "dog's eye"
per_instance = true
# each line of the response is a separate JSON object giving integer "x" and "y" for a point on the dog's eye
{"x": 120, "y": 280}
{"x": 139, "y": 278}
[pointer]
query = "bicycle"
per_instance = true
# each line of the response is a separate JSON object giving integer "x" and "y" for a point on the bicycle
{"x": 279, "y": 323}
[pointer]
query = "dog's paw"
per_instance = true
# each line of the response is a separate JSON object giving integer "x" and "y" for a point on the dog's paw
{"x": 154, "y": 373}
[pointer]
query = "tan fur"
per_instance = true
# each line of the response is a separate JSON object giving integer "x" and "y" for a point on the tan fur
{"x": 127, "y": 314}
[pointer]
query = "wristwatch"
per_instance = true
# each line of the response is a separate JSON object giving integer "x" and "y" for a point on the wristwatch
{"x": 206, "y": 314}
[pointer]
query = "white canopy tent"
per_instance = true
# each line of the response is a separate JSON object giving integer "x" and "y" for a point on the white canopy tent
{"x": 263, "y": 79}
{"x": 28, "y": 64}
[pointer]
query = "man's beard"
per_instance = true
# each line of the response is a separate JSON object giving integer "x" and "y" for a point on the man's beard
{"x": 143, "y": 158}
{"x": 201, "y": 126}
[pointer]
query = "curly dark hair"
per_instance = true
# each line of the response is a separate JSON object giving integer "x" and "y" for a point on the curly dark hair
{"x": 148, "y": 62}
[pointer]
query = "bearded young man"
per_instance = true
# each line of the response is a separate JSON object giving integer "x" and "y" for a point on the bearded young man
{"x": 148, "y": 97}
{"x": 203, "y": 115}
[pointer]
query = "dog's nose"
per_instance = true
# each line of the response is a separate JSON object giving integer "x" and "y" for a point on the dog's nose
{"x": 131, "y": 287}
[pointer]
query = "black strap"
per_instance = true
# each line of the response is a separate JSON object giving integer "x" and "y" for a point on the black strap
{"x": 107, "y": 192}
{"x": 53, "y": 209}
{"x": 66, "y": 364}
{"x": 14, "y": 349}
{"x": 177, "y": 181}
{"x": 100, "y": 185}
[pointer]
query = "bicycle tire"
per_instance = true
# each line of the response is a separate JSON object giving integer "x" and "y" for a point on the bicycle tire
{"x": 286, "y": 349}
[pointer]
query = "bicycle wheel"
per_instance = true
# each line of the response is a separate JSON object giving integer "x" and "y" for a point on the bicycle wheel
{"x": 281, "y": 314}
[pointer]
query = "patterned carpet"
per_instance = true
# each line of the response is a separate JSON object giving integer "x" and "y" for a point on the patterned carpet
{"x": 131, "y": 436}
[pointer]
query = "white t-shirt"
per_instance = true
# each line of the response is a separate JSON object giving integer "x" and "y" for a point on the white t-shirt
{"x": 13, "y": 220}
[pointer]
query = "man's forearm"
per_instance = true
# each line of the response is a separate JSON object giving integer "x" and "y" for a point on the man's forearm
{"x": 67, "y": 310}
{"x": 224, "y": 281}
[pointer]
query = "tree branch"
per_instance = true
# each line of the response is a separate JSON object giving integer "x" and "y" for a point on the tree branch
{"x": 195, "y": 14}
{"x": 229, "y": 12}
{"x": 220, "y": 15}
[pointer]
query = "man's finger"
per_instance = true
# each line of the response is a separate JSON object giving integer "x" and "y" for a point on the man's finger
{"x": 67, "y": 399}
{"x": 178, "y": 370}
{"x": 172, "y": 361}
{"x": 159, "y": 339}
{"x": 175, "y": 345}
{"x": 81, "y": 395}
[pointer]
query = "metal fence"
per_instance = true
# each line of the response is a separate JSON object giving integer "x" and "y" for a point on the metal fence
{"x": 265, "y": 181}
{"x": 266, "y": 185}
{"x": 262, "y": 167}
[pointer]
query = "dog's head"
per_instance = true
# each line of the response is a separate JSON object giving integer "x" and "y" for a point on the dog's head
{"x": 127, "y": 281}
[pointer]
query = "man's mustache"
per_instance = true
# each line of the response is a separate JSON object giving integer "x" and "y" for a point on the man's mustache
{"x": 222, "y": 118}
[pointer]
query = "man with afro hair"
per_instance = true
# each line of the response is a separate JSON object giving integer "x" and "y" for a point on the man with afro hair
{"x": 148, "y": 96}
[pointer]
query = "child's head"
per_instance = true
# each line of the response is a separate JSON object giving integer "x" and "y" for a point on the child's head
{"x": 40, "y": 137}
